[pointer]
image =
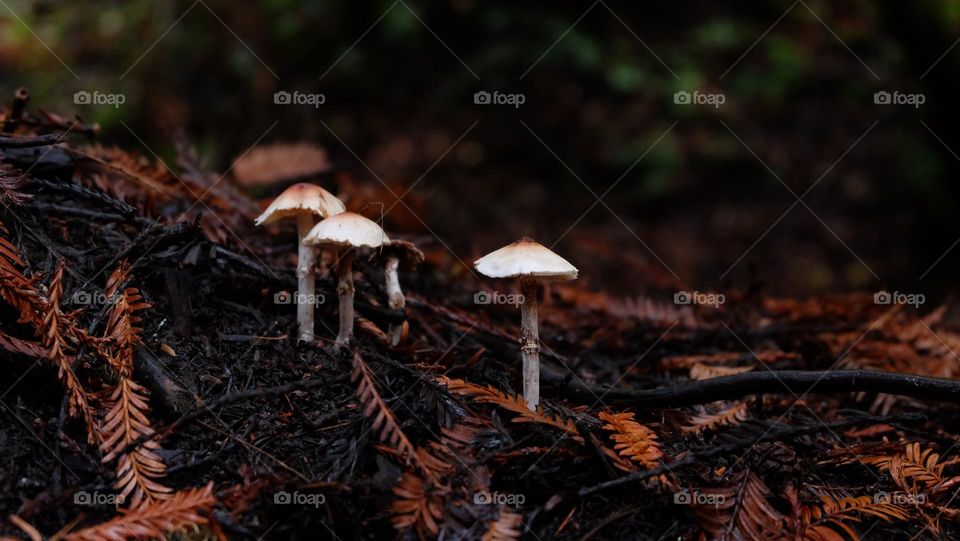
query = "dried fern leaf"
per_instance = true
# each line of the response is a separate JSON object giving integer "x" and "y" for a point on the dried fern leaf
{"x": 184, "y": 510}
{"x": 739, "y": 512}
{"x": 830, "y": 520}
{"x": 416, "y": 506}
{"x": 515, "y": 403}
{"x": 375, "y": 408}
{"x": 707, "y": 371}
{"x": 706, "y": 419}
{"x": 140, "y": 468}
{"x": 632, "y": 440}
{"x": 507, "y": 527}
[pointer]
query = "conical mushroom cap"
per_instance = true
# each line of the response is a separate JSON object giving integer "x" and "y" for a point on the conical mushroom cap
{"x": 526, "y": 257}
{"x": 302, "y": 197}
{"x": 347, "y": 229}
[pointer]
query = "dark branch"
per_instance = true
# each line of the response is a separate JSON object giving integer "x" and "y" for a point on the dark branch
{"x": 797, "y": 382}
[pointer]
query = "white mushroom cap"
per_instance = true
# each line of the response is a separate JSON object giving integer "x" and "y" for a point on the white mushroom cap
{"x": 301, "y": 197}
{"x": 347, "y": 229}
{"x": 526, "y": 257}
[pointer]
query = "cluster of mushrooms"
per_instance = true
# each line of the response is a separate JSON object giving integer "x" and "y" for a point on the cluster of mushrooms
{"x": 348, "y": 232}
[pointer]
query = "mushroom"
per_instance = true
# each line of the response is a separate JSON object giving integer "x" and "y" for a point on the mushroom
{"x": 346, "y": 231}
{"x": 303, "y": 201}
{"x": 528, "y": 260}
{"x": 395, "y": 252}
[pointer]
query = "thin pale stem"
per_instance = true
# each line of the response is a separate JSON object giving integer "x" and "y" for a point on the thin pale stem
{"x": 530, "y": 343}
{"x": 345, "y": 292}
{"x": 306, "y": 279}
{"x": 395, "y": 296}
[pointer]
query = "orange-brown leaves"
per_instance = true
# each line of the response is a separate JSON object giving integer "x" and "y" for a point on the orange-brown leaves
{"x": 632, "y": 439}
{"x": 711, "y": 419}
{"x": 138, "y": 468}
{"x": 416, "y": 506}
{"x": 384, "y": 421}
{"x": 514, "y": 403}
{"x": 154, "y": 519}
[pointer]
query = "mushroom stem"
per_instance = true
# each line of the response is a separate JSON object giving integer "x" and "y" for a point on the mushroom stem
{"x": 395, "y": 296}
{"x": 345, "y": 291}
{"x": 306, "y": 280}
{"x": 530, "y": 343}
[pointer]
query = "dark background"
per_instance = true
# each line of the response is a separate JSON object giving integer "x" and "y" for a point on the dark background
{"x": 700, "y": 210}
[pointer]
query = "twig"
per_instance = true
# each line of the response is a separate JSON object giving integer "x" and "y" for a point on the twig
{"x": 32, "y": 141}
{"x": 794, "y": 381}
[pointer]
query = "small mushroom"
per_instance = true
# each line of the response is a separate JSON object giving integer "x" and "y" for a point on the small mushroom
{"x": 346, "y": 231}
{"x": 394, "y": 253}
{"x": 303, "y": 201}
{"x": 528, "y": 260}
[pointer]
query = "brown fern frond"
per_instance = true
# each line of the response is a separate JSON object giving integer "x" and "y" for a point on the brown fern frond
{"x": 913, "y": 465}
{"x": 139, "y": 469}
{"x": 632, "y": 439}
{"x": 11, "y": 180}
{"x": 830, "y": 520}
{"x": 515, "y": 403}
{"x": 507, "y": 527}
{"x": 742, "y": 511}
{"x": 154, "y": 519}
{"x": 54, "y": 326}
{"x": 384, "y": 421}
{"x": 416, "y": 506}
{"x": 123, "y": 331}
{"x": 24, "y": 347}
{"x": 707, "y": 371}
{"x": 705, "y": 419}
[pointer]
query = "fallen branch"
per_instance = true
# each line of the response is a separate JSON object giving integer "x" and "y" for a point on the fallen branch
{"x": 32, "y": 141}
{"x": 797, "y": 382}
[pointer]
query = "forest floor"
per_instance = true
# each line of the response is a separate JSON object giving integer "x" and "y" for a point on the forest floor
{"x": 153, "y": 385}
